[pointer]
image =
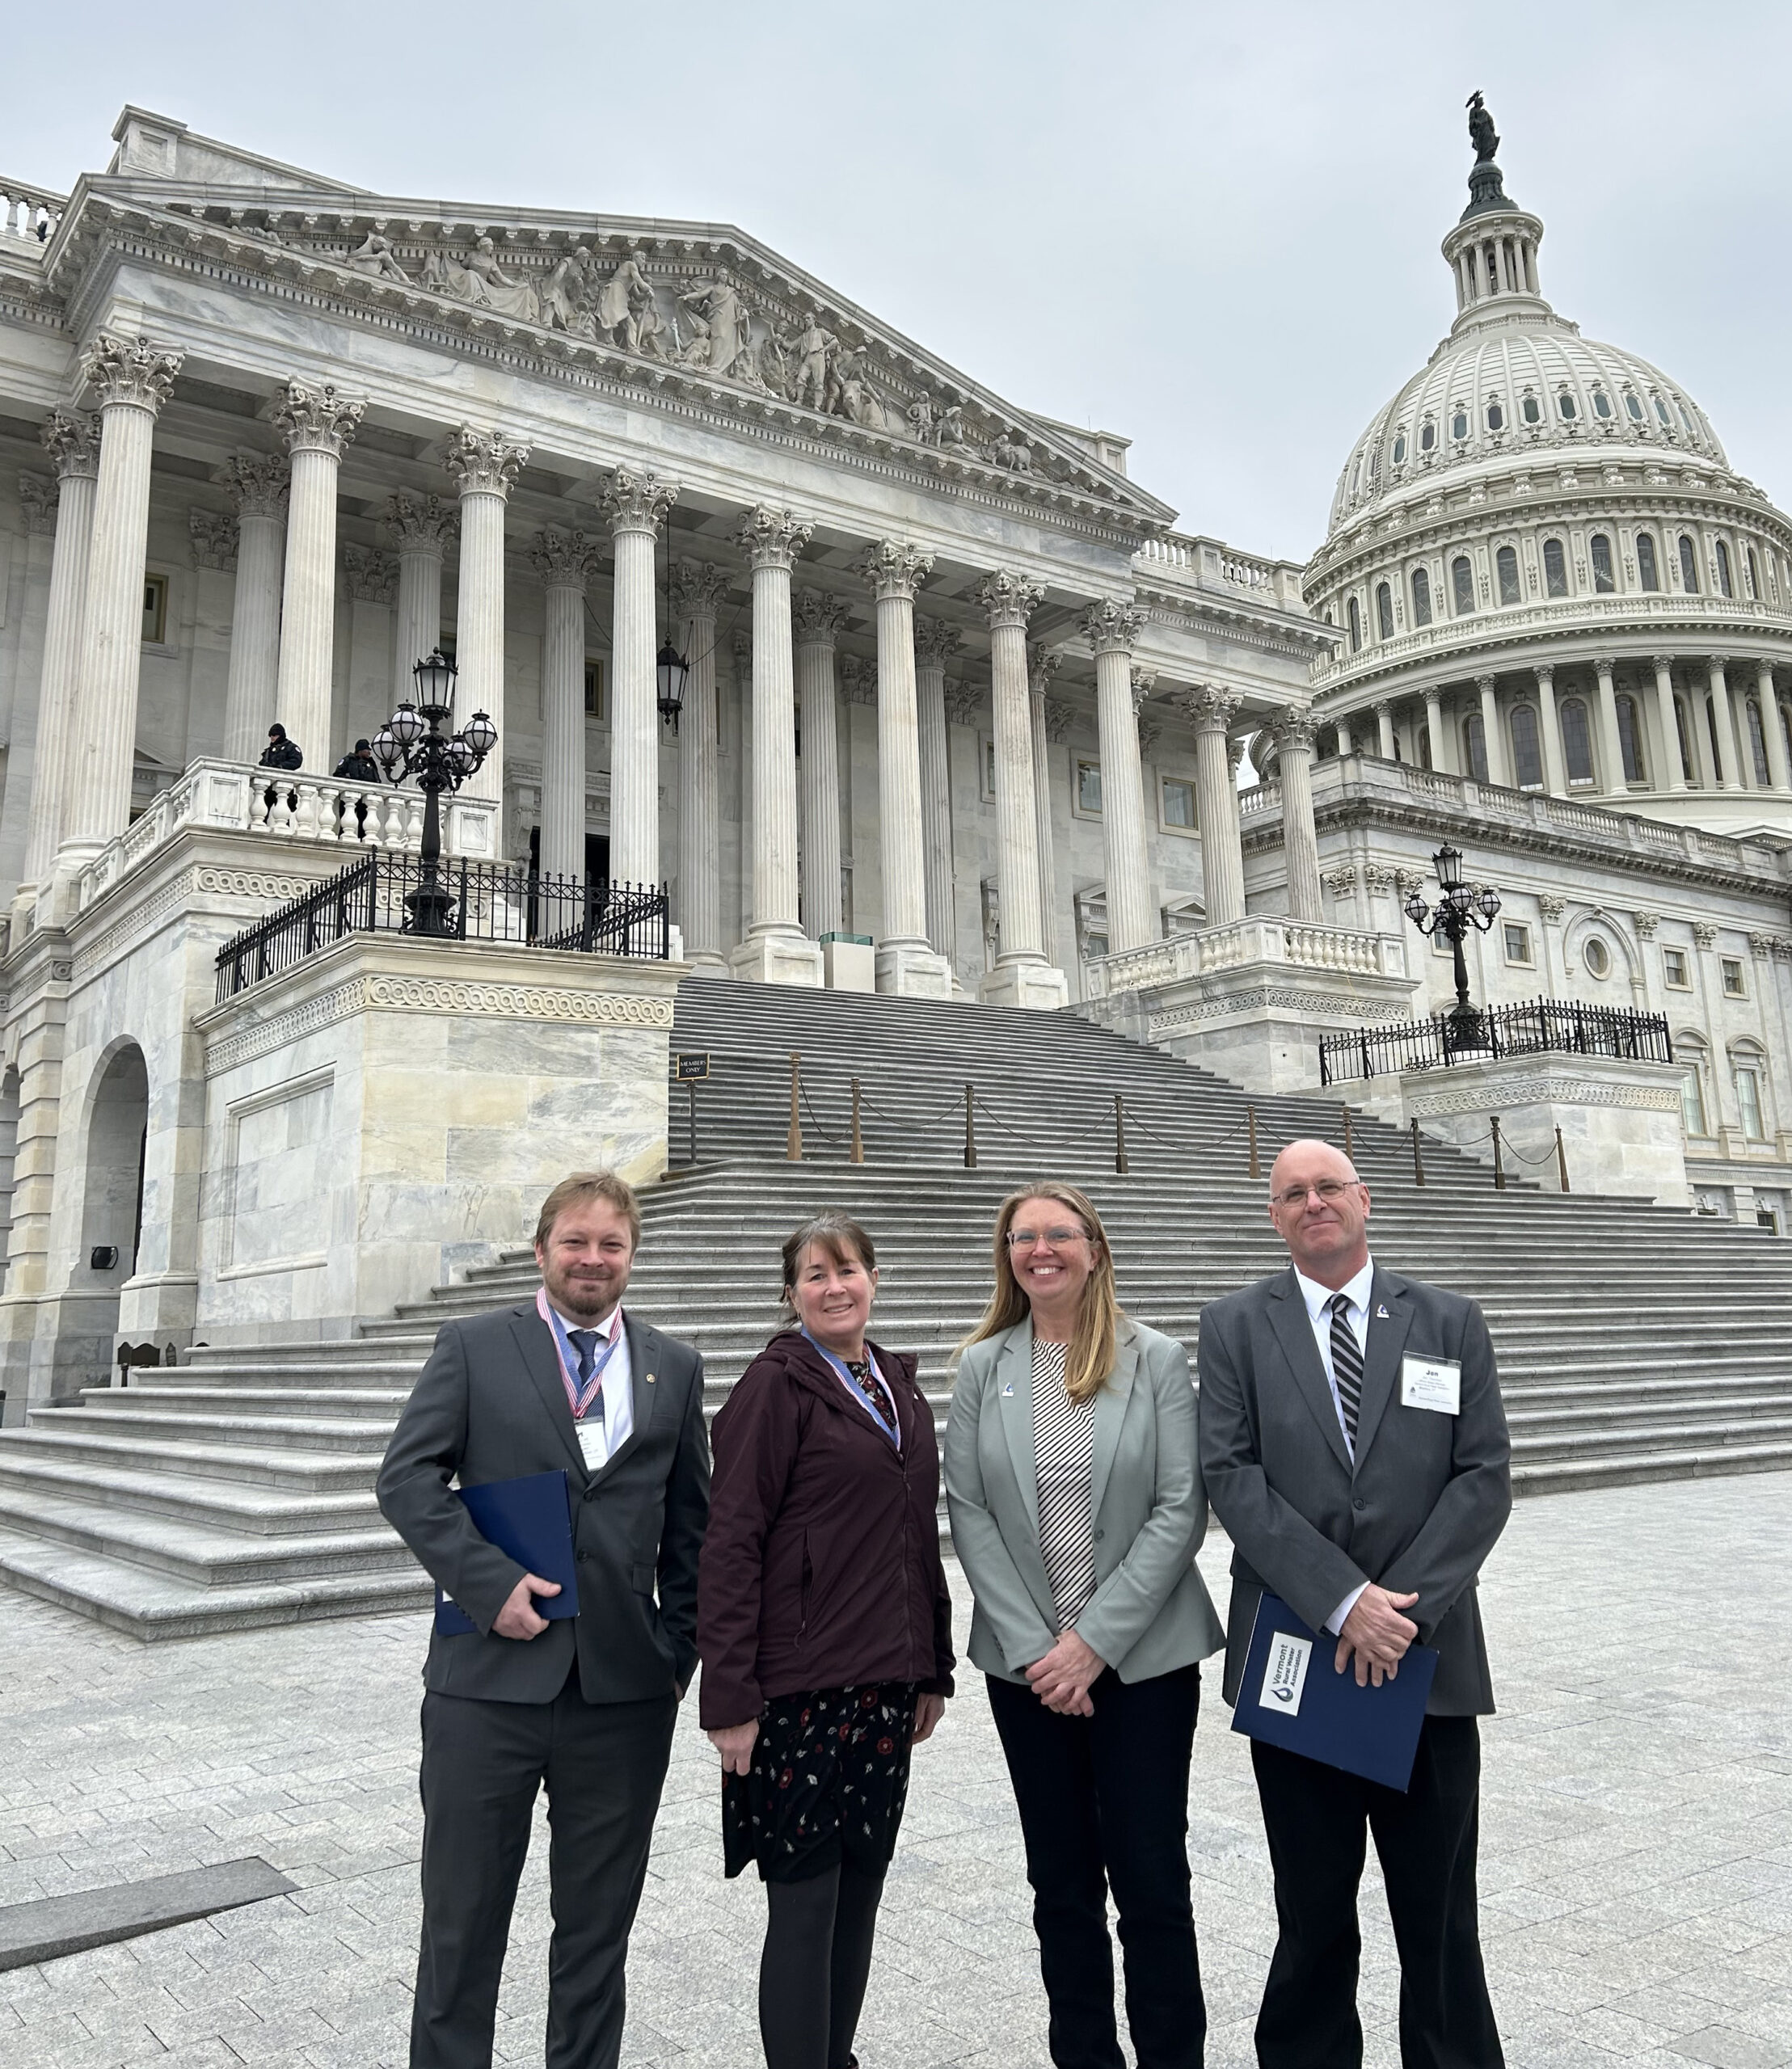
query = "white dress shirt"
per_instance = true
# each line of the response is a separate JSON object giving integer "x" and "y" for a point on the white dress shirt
{"x": 609, "y": 1423}
{"x": 1356, "y": 1316}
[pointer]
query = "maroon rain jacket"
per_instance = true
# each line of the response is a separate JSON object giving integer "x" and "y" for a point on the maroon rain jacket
{"x": 821, "y": 1567}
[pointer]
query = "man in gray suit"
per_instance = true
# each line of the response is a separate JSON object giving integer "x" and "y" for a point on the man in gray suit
{"x": 584, "y": 1703}
{"x": 1354, "y": 1447}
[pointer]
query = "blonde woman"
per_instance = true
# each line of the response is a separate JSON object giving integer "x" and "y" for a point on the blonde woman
{"x": 1074, "y": 1484}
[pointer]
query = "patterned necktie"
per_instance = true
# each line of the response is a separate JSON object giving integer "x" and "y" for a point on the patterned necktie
{"x": 1347, "y": 1364}
{"x": 584, "y": 1341}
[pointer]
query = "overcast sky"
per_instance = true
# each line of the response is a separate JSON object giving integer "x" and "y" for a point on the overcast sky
{"x": 1213, "y": 228}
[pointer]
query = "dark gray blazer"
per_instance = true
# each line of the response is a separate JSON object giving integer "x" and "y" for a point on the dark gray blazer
{"x": 490, "y": 1405}
{"x": 1425, "y": 1504}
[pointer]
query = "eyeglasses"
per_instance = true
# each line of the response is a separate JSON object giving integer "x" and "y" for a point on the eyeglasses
{"x": 1027, "y": 1239}
{"x": 1331, "y": 1191}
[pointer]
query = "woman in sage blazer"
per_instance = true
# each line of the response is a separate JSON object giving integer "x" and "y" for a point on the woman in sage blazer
{"x": 1074, "y": 1484}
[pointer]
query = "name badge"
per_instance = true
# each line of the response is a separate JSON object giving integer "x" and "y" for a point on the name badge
{"x": 1432, "y": 1383}
{"x": 592, "y": 1445}
{"x": 1285, "y": 1674}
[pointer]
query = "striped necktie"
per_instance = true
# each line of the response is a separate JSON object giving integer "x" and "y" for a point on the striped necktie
{"x": 1347, "y": 1364}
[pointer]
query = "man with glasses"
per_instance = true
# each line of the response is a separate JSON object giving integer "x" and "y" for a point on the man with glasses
{"x": 1354, "y": 1447}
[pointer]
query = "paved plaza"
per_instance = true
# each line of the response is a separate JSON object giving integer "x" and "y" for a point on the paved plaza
{"x": 1637, "y": 1840}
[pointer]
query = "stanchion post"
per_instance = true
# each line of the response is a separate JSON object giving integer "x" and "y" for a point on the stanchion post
{"x": 1250, "y": 1121}
{"x": 858, "y": 1140}
{"x": 1498, "y": 1160}
{"x": 1119, "y": 1136}
{"x": 1561, "y": 1161}
{"x": 1418, "y": 1162}
{"x": 1349, "y": 1148}
{"x": 690, "y": 1114}
{"x": 970, "y": 1129}
{"x": 792, "y": 1142}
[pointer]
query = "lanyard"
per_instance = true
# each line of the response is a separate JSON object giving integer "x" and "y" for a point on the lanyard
{"x": 578, "y": 1399}
{"x": 858, "y": 1393}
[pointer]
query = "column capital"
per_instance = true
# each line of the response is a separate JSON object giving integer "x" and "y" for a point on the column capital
{"x": 373, "y": 574}
{"x": 1058, "y": 717}
{"x": 1111, "y": 627}
{"x": 818, "y": 618}
{"x": 317, "y": 417}
{"x": 214, "y": 536}
{"x": 418, "y": 522}
{"x": 963, "y": 705}
{"x": 1145, "y": 681}
{"x": 1042, "y": 663}
{"x": 1234, "y": 754}
{"x": 894, "y": 569}
{"x": 1484, "y": 684}
{"x": 258, "y": 482}
{"x": 1662, "y": 664}
{"x": 564, "y": 560}
{"x": 71, "y": 437}
{"x": 1604, "y": 667}
{"x": 1545, "y": 672}
{"x": 484, "y": 462}
{"x": 771, "y": 537}
{"x": 634, "y": 499}
{"x": 858, "y": 679}
{"x": 1009, "y": 599}
{"x": 935, "y": 642}
{"x": 699, "y": 588}
{"x": 1646, "y": 924}
{"x": 1764, "y": 676}
{"x": 1294, "y": 726}
{"x": 742, "y": 651}
{"x": 1383, "y": 706}
{"x": 130, "y": 370}
{"x": 1208, "y": 707}
{"x": 1717, "y": 663}
{"x": 38, "y": 497}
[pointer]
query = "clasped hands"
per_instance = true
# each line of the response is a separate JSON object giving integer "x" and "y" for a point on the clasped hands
{"x": 735, "y": 1742}
{"x": 1377, "y": 1635}
{"x": 1063, "y": 1678}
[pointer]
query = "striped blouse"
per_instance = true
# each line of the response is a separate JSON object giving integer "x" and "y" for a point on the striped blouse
{"x": 1064, "y": 1432}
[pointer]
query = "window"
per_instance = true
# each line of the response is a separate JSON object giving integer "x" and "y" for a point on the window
{"x": 155, "y": 609}
{"x": 1726, "y": 586}
{"x": 1459, "y": 424}
{"x": 1597, "y": 957}
{"x": 1383, "y": 610}
{"x": 1421, "y": 597}
{"x": 1751, "y": 568}
{"x": 1674, "y": 972}
{"x": 1518, "y": 943}
{"x": 1088, "y": 788}
{"x": 1532, "y": 409}
{"x": 1733, "y": 986}
{"x": 1605, "y": 582}
{"x": 1757, "y": 741}
{"x": 1565, "y": 406}
{"x": 1661, "y": 412}
{"x": 1178, "y": 804}
{"x": 1506, "y": 565}
{"x": 1474, "y": 747}
{"x": 1400, "y": 450}
{"x": 594, "y": 691}
{"x": 1747, "y": 1079}
{"x": 1692, "y": 1094}
{"x": 1462, "y": 580}
{"x": 1427, "y": 436}
{"x": 1684, "y": 728}
{"x": 1577, "y": 740}
{"x": 1685, "y": 417}
{"x": 1555, "y": 568}
{"x": 1647, "y": 574}
{"x": 1633, "y": 408}
{"x": 1602, "y": 403}
{"x": 1629, "y": 738}
{"x": 1527, "y": 756}
{"x": 1496, "y": 417}
{"x": 1356, "y": 617}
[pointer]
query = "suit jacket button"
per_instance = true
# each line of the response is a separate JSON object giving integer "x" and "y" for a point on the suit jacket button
{"x": 584, "y": 1557}
{"x": 1354, "y": 1505}
{"x": 1099, "y": 1536}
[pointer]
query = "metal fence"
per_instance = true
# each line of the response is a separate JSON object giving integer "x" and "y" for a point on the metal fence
{"x": 383, "y": 891}
{"x": 1537, "y": 1027}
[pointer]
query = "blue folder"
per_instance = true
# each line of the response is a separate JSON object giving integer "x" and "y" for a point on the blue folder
{"x": 531, "y": 1520}
{"x": 1295, "y": 1699}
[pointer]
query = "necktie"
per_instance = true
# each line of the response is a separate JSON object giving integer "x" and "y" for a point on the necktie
{"x": 584, "y": 1341}
{"x": 1347, "y": 1364}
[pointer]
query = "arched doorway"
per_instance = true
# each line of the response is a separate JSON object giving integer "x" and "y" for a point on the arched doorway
{"x": 112, "y": 1206}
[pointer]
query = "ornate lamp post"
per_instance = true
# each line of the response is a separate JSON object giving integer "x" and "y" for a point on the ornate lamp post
{"x": 412, "y": 743}
{"x": 1462, "y": 906}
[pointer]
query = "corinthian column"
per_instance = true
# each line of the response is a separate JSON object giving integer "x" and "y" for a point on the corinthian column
{"x": 485, "y": 463}
{"x": 1667, "y": 723}
{"x": 1555, "y": 767}
{"x": 1779, "y": 774}
{"x": 1111, "y": 630}
{"x": 935, "y": 642}
{"x": 1729, "y": 760}
{"x": 905, "y": 962}
{"x": 697, "y": 590}
{"x": 1021, "y": 976}
{"x": 1210, "y": 711}
{"x": 1041, "y": 666}
{"x": 132, "y": 378}
{"x": 819, "y": 619}
{"x": 1293, "y": 731}
{"x": 71, "y": 440}
{"x": 636, "y": 505}
{"x": 775, "y": 950}
{"x": 1611, "y": 740}
{"x": 258, "y": 485}
{"x": 319, "y": 421}
{"x": 564, "y": 560}
{"x": 420, "y": 527}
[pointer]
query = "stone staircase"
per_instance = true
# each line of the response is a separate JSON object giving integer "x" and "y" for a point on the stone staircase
{"x": 235, "y": 1489}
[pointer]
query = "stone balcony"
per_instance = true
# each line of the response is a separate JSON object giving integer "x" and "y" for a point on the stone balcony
{"x": 1290, "y": 943}
{"x": 1181, "y": 561}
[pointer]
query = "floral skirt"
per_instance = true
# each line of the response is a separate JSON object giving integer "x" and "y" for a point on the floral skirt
{"x": 828, "y": 1780}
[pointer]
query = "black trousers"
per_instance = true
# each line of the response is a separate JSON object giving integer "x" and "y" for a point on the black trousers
{"x": 604, "y": 1764}
{"x": 1315, "y": 1818}
{"x": 1104, "y": 1804}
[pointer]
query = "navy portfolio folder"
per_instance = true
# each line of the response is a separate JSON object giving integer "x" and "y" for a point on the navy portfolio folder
{"x": 1293, "y": 1696}
{"x": 531, "y": 1519}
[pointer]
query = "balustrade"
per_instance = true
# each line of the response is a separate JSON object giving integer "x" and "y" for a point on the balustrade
{"x": 1293, "y": 943}
{"x": 28, "y": 212}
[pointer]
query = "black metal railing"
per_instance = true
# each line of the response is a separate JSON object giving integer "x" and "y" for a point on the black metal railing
{"x": 489, "y": 902}
{"x": 1536, "y": 1028}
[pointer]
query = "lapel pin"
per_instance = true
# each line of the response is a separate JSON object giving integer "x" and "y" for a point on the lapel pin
{"x": 1381, "y": 1315}
{"x": 1008, "y": 1391}
{"x": 650, "y": 1376}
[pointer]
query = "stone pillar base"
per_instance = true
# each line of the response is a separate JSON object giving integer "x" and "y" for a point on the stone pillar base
{"x": 1036, "y": 986}
{"x": 769, "y": 958}
{"x": 162, "y": 1304}
{"x": 906, "y": 972}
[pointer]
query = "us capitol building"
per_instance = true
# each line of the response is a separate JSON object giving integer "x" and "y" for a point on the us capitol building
{"x": 890, "y": 683}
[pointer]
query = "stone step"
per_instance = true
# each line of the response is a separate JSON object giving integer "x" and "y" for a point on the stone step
{"x": 313, "y": 1433}
{"x": 223, "y": 1504}
{"x": 106, "y": 1447}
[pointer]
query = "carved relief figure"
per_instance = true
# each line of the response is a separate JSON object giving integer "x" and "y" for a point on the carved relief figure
{"x": 625, "y": 294}
{"x": 487, "y": 284}
{"x": 561, "y": 294}
{"x": 374, "y": 256}
{"x": 854, "y": 397}
{"x": 716, "y": 306}
{"x": 812, "y": 349}
{"x": 1007, "y": 452}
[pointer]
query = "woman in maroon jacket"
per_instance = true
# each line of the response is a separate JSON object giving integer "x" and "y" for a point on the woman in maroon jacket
{"x": 826, "y": 1633}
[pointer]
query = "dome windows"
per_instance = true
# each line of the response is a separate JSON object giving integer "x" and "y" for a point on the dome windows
{"x": 1603, "y": 581}
{"x": 1383, "y": 611}
{"x": 1474, "y": 747}
{"x": 1661, "y": 412}
{"x": 1633, "y": 406}
{"x": 1527, "y": 752}
{"x": 1530, "y": 409}
{"x": 1355, "y": 620}
{"x": 1726, "y": 580}
{"x": 1427, "y": 436}
{"x": 1602, "y": 404}
{"x": 1647, "y": 572}
{"x": 1459, "y": 424}
{"x": 1555, "y": 568}
{"x": 1688, "y": 566}
{"x": 1462, "y": 583}
{"x": 1496, "y": 417}
{"x": 1752, "y": 568}
{"x": 1684, "y": 419}
{"x": 1421, "y": 597}
{"x": 1506, "y": 567}
{"x": 1577, "y": 740}
{"x": 1567, "y": 408}
{"x": 1400, "y": 449}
